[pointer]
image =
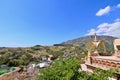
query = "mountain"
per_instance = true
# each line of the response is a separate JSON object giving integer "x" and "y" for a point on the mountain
{"x": 25, "y": 56}
{"x": 82, "y": 41}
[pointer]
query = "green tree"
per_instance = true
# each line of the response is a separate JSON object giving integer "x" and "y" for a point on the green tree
{"x": 99, "y": 74}
{"x": 68, "y": 69}
{"x": 65, "y": 69}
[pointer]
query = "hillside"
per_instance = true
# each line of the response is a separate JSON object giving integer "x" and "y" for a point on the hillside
{"x": 82, "y": 41}
{"x": 24, "y": 56}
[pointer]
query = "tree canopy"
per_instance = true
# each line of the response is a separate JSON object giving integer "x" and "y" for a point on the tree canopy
{"x": 69, "y": 69}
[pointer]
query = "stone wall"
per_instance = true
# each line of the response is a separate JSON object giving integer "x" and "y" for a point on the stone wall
{"x": 105, "y": 63}
{"x": 10, "y": 75}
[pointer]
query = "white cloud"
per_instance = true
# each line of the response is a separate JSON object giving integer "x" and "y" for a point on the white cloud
{"x": 118, "y": 6}
{"x": 103, "y": 11}
{"x": 107, "y": 9}
{"x": 118, "y": 19}
{"x": 111, "y": 29}
{"x": 102, "y": 28}
{"x": 91, "y": 32}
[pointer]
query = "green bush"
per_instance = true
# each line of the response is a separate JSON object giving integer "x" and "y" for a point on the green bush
{"x": 65, "y": 69}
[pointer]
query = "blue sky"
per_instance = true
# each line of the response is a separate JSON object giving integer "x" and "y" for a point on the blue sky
{"x": 47, "y": 22}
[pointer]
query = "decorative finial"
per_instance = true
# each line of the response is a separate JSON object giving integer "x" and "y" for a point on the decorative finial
{"x": 95, "y": 37}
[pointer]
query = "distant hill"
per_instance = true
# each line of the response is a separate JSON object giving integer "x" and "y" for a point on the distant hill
{"x": 82, "y": 41}
{"x": 24, "y": 56}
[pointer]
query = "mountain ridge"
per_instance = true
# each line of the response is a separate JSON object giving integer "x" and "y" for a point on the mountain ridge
{"x": 82, "y": 41}
{"x": 90, "y": 38}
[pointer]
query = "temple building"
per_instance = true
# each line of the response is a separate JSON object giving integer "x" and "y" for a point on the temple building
{"x": 104, "y": 62}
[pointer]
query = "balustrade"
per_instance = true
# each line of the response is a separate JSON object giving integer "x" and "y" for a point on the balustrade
{"x": 105, "y": 63}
